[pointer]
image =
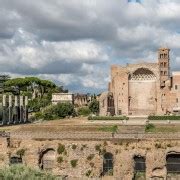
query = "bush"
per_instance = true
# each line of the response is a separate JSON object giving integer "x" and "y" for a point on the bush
{"x": 38, "y": 115}
{"x": 149, "y": 128}
{"x": 21, "y": 152}
{"x": 74, "y": 163}
{"x": 23, "y": 172}
{"x": 88, "y": 173}
{"x": 173, "y": 117}
{"x": 64, "y": 109}
{"x": 74, "y": 146}
{"x": 108, "y": 118}
{"x": 36, "y": 104}
{"x": 49, "y": 113}
{"x": 98, "y": 147}
{"x": 61, "y": 148}
{"x": 60, "y": 160}
{"x": 84, "y": 111}
{"x": 90, "y": 157}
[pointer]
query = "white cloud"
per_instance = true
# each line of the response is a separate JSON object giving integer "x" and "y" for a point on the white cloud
{"x": 74, "y": 42}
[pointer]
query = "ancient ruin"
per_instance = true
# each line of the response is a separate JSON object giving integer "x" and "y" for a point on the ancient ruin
{"x": 143, "y": 89}
{"x": 13, "y": 110}
{"x": 84, "y": 155}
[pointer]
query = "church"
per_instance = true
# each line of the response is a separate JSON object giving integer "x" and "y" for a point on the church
{"x": 142, "y": 89}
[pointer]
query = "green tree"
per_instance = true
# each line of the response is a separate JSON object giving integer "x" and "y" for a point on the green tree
{"x": 45, "y": 86}
{"x": 18, "y": 84}
{"x": 94, "y": 106}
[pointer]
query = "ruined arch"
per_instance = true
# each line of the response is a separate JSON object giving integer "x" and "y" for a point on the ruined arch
{"x": 47, "y": 159}
{"x": 142, "y": 74}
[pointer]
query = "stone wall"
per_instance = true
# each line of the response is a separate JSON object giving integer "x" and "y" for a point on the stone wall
{"x": 88, "y": 155}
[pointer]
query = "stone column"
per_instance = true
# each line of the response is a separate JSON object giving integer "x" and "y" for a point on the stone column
{"x": 16, "y": 110}
{"x": 10, "y": 109}
{"x": 4, "y": 119}
{"x": 21, "y": 109}
{"x": 26, "y": 109}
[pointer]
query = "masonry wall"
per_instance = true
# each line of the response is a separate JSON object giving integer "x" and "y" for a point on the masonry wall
{"x": 89, "y": 156}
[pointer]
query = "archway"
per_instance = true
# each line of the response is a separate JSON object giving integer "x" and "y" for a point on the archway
{"x": 47, "y": 159}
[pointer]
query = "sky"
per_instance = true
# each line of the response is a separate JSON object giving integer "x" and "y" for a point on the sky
{"x": 74, "y": 42}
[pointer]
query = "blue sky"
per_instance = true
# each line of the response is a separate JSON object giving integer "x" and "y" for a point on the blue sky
{"x": 75, "y": 42}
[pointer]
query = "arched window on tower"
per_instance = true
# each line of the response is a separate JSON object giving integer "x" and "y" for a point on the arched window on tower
{"x": 47, "y": 159}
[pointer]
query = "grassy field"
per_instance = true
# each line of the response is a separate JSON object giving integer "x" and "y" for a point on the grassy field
{"x": 81, "y": 125}
{"x": 165, "y": 129}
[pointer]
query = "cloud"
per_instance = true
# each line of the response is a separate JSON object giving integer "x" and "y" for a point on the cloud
{"x": 74, "y": 42}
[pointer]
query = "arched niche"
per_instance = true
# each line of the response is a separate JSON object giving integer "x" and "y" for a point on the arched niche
{"x": 47, "y": 159}
{"x": 142, "y": 74}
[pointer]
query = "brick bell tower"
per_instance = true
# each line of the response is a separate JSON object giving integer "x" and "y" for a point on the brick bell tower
{"x": 164, "y": 65}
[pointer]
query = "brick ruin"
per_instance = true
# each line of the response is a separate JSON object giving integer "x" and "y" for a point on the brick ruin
{"x": 143, "y": 89}
{"x": 121, "y": 159}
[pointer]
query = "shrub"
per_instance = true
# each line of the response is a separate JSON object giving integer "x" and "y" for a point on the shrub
{"x": 84, "y": 111}
{"x": 108, "y": 118}
{"x": 88, "y": 173}
{"x": 98, "y": 147}
{"x": 61, "y": 148}
{"x": 149, "y": 128}
{"x": 60, "y": 159}
{"x": 49, "y": 113}
{"x": 74, "y": 163}
{"x": 21, "y": 152}
{"x": 158, "y": 145}
{"x": 90, "y": 157}
{"x": 23, "y": 172}
{"x": 64, "y": 109}
{"x": 173, "y": 117}
{"x": 74, "y": 146}
{"x": 38, "y": 115}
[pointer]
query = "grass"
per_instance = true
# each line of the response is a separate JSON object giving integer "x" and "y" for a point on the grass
{"x": 109, "y": 128}
{"x": 22, "y": 172}
{"x": 164, "y": 129}
{"x": 108, "y": 118}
